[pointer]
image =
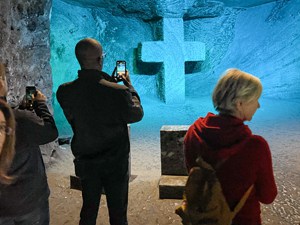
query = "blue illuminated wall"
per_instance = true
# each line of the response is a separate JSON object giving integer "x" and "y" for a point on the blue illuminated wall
{"x": 262, "y": 40}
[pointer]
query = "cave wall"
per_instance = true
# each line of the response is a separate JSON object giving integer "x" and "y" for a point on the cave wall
{"x": 263, "y": 40}
{"x": 119, "y": 36}
{"x": 25, "y": 46}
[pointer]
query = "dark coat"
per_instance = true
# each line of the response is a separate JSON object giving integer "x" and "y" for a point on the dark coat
{"x": 30, "y": 186}
{"x": 99, "y": 116}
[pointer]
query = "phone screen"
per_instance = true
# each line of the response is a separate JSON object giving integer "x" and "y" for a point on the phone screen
{"x": 121, "y": 67}
{"x": 30, "y": 90}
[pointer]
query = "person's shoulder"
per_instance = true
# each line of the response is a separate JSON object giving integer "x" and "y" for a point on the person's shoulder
{"x": 258, "y": 142}
{"x": 66, "y": 85}
{"x": 105, "y": 76}
{"x": 114, "y": 87}
{"x": 258, "y": 139}
{"x": 65, "y": 88}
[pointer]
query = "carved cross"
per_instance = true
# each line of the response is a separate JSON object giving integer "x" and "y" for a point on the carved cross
{"x": 173, "y": 52}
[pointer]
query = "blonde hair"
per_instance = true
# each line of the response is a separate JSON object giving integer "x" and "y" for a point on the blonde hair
{"x": 235, "y": 85}
{"x": 8, "y": 149}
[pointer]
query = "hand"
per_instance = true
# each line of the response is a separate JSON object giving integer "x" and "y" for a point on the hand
{"x": 28, "y": 104}
{"x": 3, "y": 87}
{"x": 113, "y": 76}
{"x": 114, "y": 72}
{"x": 126, "y": 78}
{"x": 39, "y": 96}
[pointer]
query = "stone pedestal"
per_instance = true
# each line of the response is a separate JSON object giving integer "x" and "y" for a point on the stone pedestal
{"x": 171, "y": 144}
{"x": 171, "y": 187}
{"x": 173, "y": 170}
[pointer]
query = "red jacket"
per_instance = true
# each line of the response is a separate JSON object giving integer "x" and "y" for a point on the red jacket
{"x": 248, "y": 161}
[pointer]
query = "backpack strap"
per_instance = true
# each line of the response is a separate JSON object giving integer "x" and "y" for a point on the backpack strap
{"x": 243, "y": 200}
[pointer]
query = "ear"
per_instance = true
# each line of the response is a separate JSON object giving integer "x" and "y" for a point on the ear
{"x": 239, "y": 104}
{"x": 100, "y": 62}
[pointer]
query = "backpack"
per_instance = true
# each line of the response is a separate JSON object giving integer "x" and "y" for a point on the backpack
{"x": 204, "y": 201}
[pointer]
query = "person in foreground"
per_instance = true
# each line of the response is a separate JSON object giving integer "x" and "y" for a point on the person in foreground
{"x": 243, "y": 159}
{"x": 98, "y": 111}
{"x": 7, "y": 141}
{"x": 24, "y": 200}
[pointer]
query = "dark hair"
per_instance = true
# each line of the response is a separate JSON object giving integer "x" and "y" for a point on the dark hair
{"x": 8, "y": 149}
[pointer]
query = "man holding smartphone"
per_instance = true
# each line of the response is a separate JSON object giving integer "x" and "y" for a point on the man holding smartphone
{"x": 98, "y": 110}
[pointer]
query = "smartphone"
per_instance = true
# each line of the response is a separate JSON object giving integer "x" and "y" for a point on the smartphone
{"x": 30, "y": 90}
{"x": 121, "y": 69}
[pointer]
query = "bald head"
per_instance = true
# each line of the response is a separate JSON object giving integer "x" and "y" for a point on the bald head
{"x": 89, "y": 54}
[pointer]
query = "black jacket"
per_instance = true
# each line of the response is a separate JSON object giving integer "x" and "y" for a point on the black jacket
{"x": 99, "y": 115}
{"x": 30, "y": 186}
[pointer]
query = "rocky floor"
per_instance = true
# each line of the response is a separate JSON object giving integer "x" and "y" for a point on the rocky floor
{"x": 280, "y": 129}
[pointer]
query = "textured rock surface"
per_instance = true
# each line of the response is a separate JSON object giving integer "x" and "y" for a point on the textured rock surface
{"x": 25, "y": 46}
{"x": 171, "y": 187}
{"x": 25, "y": 51}
{"x": 252, "y": 39}
{"x": 262, "y": 40}
{"x": 173, "y": 171}
{"x": 244, "y": 3}
{"x": 151, "y": 9}
{"x": 268, "y": 46}
{"x": 172, "y": 158}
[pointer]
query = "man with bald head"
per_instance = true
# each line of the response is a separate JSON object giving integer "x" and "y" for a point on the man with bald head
{"x": 89, "y": 54}
{"x": 98, "y": 110}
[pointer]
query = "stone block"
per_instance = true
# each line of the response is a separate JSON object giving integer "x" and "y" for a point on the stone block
{"x": 172, "y": 157}
{"x": 172, "y": 187}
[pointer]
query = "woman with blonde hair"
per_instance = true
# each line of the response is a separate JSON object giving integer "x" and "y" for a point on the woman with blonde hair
{"x": 241, "y": 159}
{"x": 7, "y": 141}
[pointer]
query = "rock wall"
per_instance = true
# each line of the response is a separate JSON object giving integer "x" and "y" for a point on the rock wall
{"x": 25, "y": 46}
{"x": 262, "y": 40}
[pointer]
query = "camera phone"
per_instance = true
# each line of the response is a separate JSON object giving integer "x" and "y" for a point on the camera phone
{"x": 121, "y": 68}
{"x": 30, "y": 90}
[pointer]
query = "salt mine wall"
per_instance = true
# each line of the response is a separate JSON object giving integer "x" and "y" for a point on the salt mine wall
{"x": 37, "y": 43}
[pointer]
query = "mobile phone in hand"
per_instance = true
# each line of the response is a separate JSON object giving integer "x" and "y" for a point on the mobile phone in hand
{"x": 30, "y": 90}
{"x": 120, "y": 69}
